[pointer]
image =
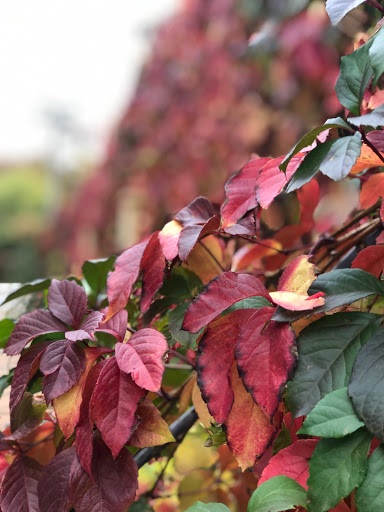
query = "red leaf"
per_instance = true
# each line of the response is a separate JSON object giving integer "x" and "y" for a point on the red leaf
{"x": 240, "y": 192}
{"x": 62, "y": 364}
{"x": 265, "y": 358}
{"x": 169, "y": 238}
{"x": 19, "y": 487}
{"x": 67, "y": 301}
{"x": 113, "y": 405}
{"x": 370, "y": 259}
{"x": 117, "y": 325}
{"x": 372, "y": 190}
{"x": 249, "y": 430}
{"x": 153, "y": 265}
{"x": 292, "y": 462}
{"x": 84, "y": 430}
{"x": 121, "y": 280}
{"x": 29, "y": 327}
{"x": 271, "y": 181}
{"x": 152, "y": 429}
{"x": 214, "y": 379}
{"x": 218, "y": 295}
{"x": 115, "y": 482}
{"x": 142, "y": 357}
{"x": 26, "y": 368}
{"x": 54, "y": 482}
{"x": 197, "y": 212}
{"x": 191, "y": 234}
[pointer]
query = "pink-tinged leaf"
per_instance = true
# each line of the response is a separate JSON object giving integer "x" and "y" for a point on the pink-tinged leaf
{"x": 152, "y": 429}
{"x": 253, "y": 256}
{"x": 62, "y": 364}
{"x": 296, "y": 302}
{"x": 298, "y": 276}
{"x": 197, "y": 212}
{"x": 152, "y": 264}
{"x": 26, "y": 368}
{"x": 142, "y": 357}
{"x": 67, "y": 406}
{"x": 67, "y": 301}
{"x": 84, "y": 430}
{"x": 54, "y": 482}
{"x": 113, "y": 405}
{"x": 91, "y": 323}
{"x": 19, "y": 487}
{"x": 271, "y": 181}
{"x": 78, "y": 335}
{"x": 218, "y": 295}
{"x": 265, "y": 358}
{"x": 121, "y": 280}
{"x": 249, "y": 430}
{"x": 117, "y": 325}
{"x": 244, "y": 226}
{"x": 370, "y": 259}
{"x": 291, "y": 462}
{"x": 218, "y": 345}
{"x": 169, "y": 238}
{"x": 29, "y": 327}
{"x": 114, "y": 486}
{"x": 190, "y": 235}
{"x": 240, "y": 192}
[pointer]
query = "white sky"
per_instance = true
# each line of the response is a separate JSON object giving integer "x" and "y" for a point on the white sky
{"x": 78, "y": 56}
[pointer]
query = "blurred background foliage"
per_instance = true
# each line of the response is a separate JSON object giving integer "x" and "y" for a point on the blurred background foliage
{"x": 224, "y": 79}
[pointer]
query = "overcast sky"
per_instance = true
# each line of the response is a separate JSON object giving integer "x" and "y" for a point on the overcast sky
{"x": 76, "y": 56}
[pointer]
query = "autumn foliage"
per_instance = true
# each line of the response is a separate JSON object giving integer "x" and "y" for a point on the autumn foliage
{"x": 271, "y": 304}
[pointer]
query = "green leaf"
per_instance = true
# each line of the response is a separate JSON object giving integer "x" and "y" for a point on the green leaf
{"x": 341, "y": 157}
{"x": 277, "y": 494}
{"x": 141, "y": 505}
{"x": 207, "y": 507}
{"x": 34, "y": 286}
{"x": 27, "y": 415}
{"x": 6, "y": 328}
{"x": 181, "y": 285}
{"x": 5, "y": 381}
{"x": 333, "y": 416}
{"x": 175, "y": 321}
{"x": 374, "y": 118}
{"x": 344, "y": 286}
{"x": 376, "y": 52}
{"x": 248, "y": 303}
{"x": 336, "y": 467}
{"x": 310, "y": 137}
{"x": 95, "y": 272}
{"x": 309, "y": 166}
{"x": 327, "y": 349}
{"x": 366, "y": 387}
{"x": 337, "y": 9}
{"x": 370, "y": 495}
{"x": 355, "y": 73}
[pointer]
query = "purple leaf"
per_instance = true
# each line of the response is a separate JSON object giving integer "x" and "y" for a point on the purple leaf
{"x": 117, "y": 325}
{"x": 67, "y": 301}
{"x": 91, "y": 323}
{"x": 19, "y": 488}
{"x": 190, "y": 235}
{"x": 29, "y": 327}
{"x": 153, "y": 265}
{"x": 197, "y": 212}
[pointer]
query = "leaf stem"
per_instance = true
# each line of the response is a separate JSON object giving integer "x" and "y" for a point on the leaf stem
{"x": 212, "y": 256}
{"x": 369, "y": 144}
{"x": 174, "y": 353}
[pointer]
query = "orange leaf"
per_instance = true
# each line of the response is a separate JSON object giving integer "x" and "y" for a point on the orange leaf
{"x": 372, "y": 189}
{"x": 201, "y": 407}
{"x": 152, "y": 429}
{"x": 205, "y": 258}
{"x": 253, "y": 255}
{"x": 366, "y": 160}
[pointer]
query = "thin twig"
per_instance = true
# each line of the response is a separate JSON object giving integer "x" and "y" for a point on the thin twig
{"x": 212, "y": 256}
{"x": 369, "y": 143}
{"x": 174, "y": 353}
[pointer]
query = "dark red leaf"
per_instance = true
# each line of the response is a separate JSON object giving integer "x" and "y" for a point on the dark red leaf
{"x": 265, "y": 358}
{"x": 67, "y": 301}
{"x": 292, "y": 462}
{"x": 26, "y": 368}
{"x": 62, "y": 364}
{"x": 218, "y": 295}
{"x": 29, "y": 327}
{"x": 197, "y": 212}
{"x": 376, "y": 137}
{"x": 190, "y": 235}
{"x": 271, "y": 181}
{"x": 244, "y": 226}
{"x": 91, "y": 323}
{"x": 153, "y": 265}
{"x": 115, "y": 482}
{"x": 370, "y": 259}
{"x": 214, "y": 362}
{"x": 142, "y": 357}
{"x": 19, "y": 488}
{"x": 117, "y": 325}
{"x": 121, "y": 280}
{"x": 113, "y": 405}
{"x": 240, "y": 192}
{"x": 54, "y": 482}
